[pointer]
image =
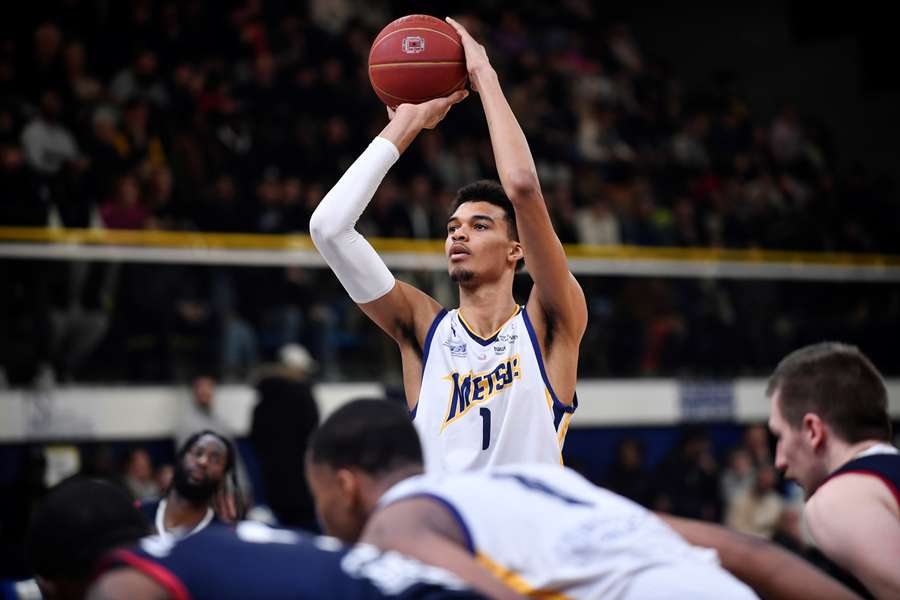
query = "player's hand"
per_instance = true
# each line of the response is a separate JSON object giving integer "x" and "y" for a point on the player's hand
{"x": 477, "y": 61}
{"x": 225, "y": 506}
{"x": 429, "y": 114}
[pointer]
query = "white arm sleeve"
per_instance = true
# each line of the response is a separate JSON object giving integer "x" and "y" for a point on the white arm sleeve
{"x": 332, "y": 226}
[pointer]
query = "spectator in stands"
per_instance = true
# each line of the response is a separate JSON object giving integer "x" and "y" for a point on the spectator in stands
{"x": 124, "y": 209}
{"x": 687, "y": 479}
{"x": 108, "y": 150}
{"x": 139, "y": 476}
{"x": 198, "y": 414}
{"x": 20, "y": 203}
{"x": 81, "y": 87}
{"x": 144, "y": 146}
{"x": 283, "y": 420}
{"x": 738, "y": 474}
{"x": 140, "y": 81}
{"x": 756, "y": 442}
{"x": 597, "y": 224}
{"x": 51, "y": 151}
{"x": 45, "y": 68}
{"x": 627, "y": 475}
{"x": 757, "y": 509}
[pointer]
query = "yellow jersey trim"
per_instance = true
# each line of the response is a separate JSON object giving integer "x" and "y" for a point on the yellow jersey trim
{"x": 487, "y": 337}
{"x": 514, "y": 581}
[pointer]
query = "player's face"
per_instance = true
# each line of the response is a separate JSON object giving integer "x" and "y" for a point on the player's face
{"x": 338, "y": 507}
{"x": 202, "y": 469}
{"x": 794, "y": 454}
{"x": 478, "y": 245}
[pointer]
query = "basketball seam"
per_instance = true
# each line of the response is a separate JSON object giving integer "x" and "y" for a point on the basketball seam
{"x": 442, "y": 94}
{"x": 379, "y": 41}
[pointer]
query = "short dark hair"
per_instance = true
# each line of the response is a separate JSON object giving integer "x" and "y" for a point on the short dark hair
{"x": 79, "y": 521}
{"x": 487, "y": 190}
{"x": 837, "y": 382}
{"x": 372, "y": 435}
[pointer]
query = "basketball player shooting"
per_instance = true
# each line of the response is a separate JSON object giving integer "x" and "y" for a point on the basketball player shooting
{"x": 490, "y": 382}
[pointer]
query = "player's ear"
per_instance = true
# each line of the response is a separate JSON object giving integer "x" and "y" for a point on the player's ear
{"x": 516, "y": 252}
{"x": 348, "y": 483}
{"x": 813, "y": 429}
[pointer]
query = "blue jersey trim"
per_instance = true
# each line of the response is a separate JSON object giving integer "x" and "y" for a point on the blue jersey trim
{"x": 467, "y": 535}
{"x": 434, "y": 325}
{"x": 559, "y": 409}
{"x": 425, "y": 352}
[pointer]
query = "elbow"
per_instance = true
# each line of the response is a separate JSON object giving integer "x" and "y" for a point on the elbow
{"x": 319, "y": 229}
{"x": 521, "y": 184}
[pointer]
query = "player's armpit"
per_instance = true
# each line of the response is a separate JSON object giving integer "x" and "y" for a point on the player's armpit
{"x": 421, "y": 528}
{"x": 405, "y": 313}
{"x": 126, "y": 584}
{"x": 854, "y": 521}
{"x": 772, "y": 572}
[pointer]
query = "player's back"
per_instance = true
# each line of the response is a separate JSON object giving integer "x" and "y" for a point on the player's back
{"x": 546, "y": 530}
{"x": 255, "y": 561}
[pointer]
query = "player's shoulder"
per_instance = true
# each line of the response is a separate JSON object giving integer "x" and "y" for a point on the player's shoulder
{"x": 846, "y": 495}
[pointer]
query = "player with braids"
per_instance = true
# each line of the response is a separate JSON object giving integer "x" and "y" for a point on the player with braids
{"x": 199, "y": 493}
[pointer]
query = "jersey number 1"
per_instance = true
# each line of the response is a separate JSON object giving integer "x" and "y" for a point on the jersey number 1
{"x": 485, "y": 427}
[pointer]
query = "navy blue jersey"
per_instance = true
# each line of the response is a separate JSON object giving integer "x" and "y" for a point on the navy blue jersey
{"x": 256, "y": 561}
{"x": 885, "y": 467}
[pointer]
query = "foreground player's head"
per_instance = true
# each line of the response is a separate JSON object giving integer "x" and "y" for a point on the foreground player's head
{"x": 354, "y": 456}
{"x": 78, "y": 522}
{"x": 822, "y": 396}
{"x": 482, "y": 240}
{"x": 201, "y": 466}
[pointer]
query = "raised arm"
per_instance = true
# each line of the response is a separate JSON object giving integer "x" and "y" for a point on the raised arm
{"x": 855, "y": 522}
{"x": 555, "y": 287}
{"x": 398, "y": 308}
{"x": 774, "y": 573}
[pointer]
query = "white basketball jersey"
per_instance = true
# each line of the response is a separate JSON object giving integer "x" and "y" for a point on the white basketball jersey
{"x": 547, "y": 532}
{"x": 486, "y": 401}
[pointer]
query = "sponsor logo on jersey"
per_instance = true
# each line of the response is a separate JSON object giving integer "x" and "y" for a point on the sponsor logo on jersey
{"x": 456, "y": 348}
{"x": 413, "y": 44}
{"x": 499, "y": 348}
{"x": 470, "y": 388}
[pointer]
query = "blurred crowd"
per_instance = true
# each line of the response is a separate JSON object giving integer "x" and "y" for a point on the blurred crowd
{"x": 238, "y": 116}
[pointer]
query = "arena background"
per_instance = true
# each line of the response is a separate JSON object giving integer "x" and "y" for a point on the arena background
{"x": 724, "y": 177}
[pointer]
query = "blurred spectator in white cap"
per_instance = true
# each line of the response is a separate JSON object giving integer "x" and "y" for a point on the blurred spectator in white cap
{"x": 297, "y": 361}
{"x": 283, "y": 419}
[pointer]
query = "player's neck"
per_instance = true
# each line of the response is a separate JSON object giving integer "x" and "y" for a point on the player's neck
{"x": 181, "y": 512}
{"x": 487, "y": 307}
{"x": 384, "y": 483}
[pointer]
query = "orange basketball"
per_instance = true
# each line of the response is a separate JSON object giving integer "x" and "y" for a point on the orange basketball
{"x": 416, "y": 58}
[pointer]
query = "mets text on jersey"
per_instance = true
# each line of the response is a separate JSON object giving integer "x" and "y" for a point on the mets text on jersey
{"x": 476, "y": 388}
